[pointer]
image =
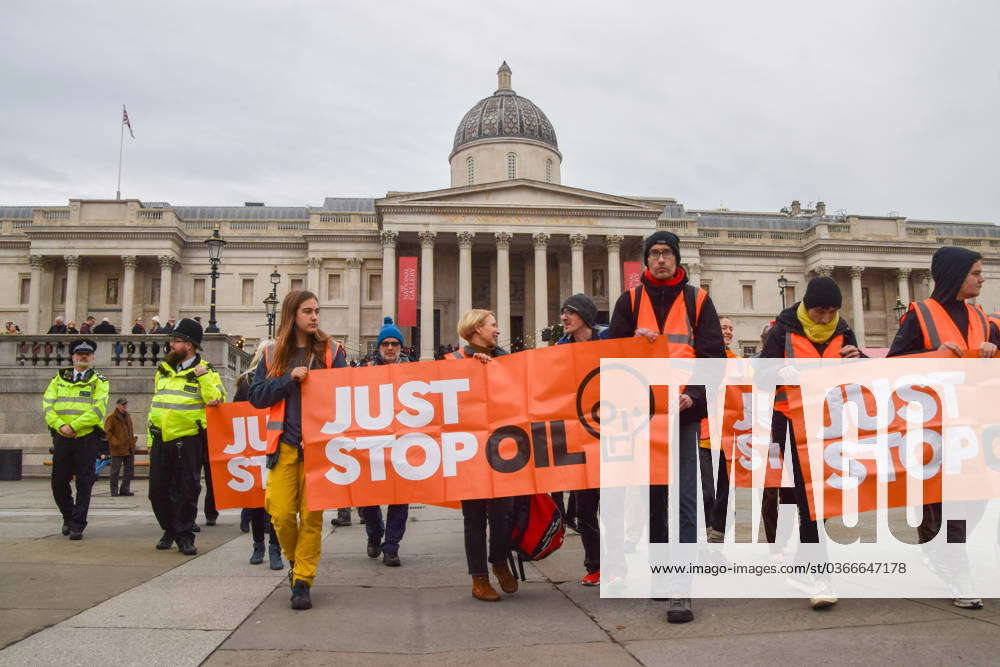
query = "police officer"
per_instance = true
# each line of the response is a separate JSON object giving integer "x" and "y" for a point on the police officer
{"x": 184, "y": 384}
{"x": 75, "y": 404}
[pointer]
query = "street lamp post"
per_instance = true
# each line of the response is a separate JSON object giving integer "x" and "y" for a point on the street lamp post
{"x": 271, "y": 303}
{"x": 214, "y": 243}
{"x": 782, "y": 284}
{"x": 900, "y": 309}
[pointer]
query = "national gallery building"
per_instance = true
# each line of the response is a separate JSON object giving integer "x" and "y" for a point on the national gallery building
{"x": 506, "y": 235}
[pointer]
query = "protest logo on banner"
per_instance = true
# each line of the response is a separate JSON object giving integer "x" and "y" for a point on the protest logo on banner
{"x": 237, "y": 446}
{"x": 633, "y": 274}
{"x": 406, "y": 311}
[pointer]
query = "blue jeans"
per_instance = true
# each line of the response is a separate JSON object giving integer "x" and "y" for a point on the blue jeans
{"x": 392, "y": 529}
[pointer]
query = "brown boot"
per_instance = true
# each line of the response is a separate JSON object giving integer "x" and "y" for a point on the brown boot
{"x": 507, "y": 581}
{"x": 483, "y": 590}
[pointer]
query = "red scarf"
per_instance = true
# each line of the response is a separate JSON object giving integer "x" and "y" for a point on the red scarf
{"x": 672, "y": 281}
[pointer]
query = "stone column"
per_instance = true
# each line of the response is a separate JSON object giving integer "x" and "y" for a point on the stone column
{"x": 427, "y": 295}
{"x": 166, "y": 277}
{"x": 465, "y": 240}
{"x": 354, "y": 306}
{"x": 312, "y": 275}
{"x": 503, "y": 285}
{"x": 541, "y": 243}
{"x": 903, "y": 285}
{"x": 824, "y": 270}
{"x": 31, "y": 325}
{"x": 576, "y": 244}
{"x": 614, "y": 244}
{"x": 389, "y": 239}
{"x": 128, "y": 292}
{"x": 72, "y": 281}
{"x": 858, "y": 311}
{"x": 694, "y": 274}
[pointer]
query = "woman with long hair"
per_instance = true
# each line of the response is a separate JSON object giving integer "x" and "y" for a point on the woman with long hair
{"x": 299, "y": 347}
{"x": 479, "y": 327}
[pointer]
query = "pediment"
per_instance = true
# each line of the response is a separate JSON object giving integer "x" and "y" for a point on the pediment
{"x": 519, "y": 193}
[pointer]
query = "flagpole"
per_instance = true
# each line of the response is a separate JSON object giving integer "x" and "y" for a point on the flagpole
{"x": 121, "y": 145}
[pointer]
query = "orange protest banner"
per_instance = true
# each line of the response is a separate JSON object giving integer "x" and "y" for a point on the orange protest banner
{"x": 236, "y": 454}
{"x": 458, "y": 429}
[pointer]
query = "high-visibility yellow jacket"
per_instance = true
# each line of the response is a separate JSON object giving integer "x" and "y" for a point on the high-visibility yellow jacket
{"x": 82, "y": 404}
{"x": 178, "y": 407}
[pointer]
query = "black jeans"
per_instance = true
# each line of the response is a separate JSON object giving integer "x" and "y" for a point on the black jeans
{"x": 117, "y": 462}
{"x": 588, "y": 501}
{"x": 174, "y": 484}
{"x": 73, "y": 457}
{"x": 687, "y": 492}
{"x": 260, "y": 524}
{"x": 477, "y": 514}
{"x": 210, "y": 512}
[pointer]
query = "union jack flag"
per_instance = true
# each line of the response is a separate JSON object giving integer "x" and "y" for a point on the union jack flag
{"x": 126, "y": 122}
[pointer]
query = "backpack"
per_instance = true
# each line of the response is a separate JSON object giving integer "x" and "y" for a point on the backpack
{"x": 537, "y": 529}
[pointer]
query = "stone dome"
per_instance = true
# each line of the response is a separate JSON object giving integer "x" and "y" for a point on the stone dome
{"x": 505, "y": 114}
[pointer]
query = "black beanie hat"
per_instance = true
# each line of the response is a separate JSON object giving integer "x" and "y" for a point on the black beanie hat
{"x": 584, "y": 306}
{"x": 949, "y": 268}
{"x": 822, "y": 292}
{"x": 661, "y": 236}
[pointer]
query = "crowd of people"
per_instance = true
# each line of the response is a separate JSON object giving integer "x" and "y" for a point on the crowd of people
{"x": 663, "y": 304}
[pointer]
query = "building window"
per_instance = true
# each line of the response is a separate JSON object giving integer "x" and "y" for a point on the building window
{"x": 748, "y": 297}
{"x": 707, "y": 286}
{"x": 548, "y": 171}
{"x": 333, "y": 287}
{"x": 248, "y": 291}
{"x": 24, "y": 295}
{"x": 866, "y": 299}
{"x": 749, "y": 349}
{"x": 511, "y": 165}
{"x": 470, "y": 166}
{"x": 296, "y": 284}
{"x": 597, "y": 285}
{"x": 198, "y": 295}
{"x": 154, "y": 291}
{"x": 375, "y": 287}
{"x": 62, "y": 291}
{"x": 111, "y": 292}
{"x": 790, "y": 294}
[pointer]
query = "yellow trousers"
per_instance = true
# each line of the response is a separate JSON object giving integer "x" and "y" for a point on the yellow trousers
{"x": 299, "y": 531}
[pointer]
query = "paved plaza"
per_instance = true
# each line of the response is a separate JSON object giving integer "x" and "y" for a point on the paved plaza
{"x": 113, "y": 599}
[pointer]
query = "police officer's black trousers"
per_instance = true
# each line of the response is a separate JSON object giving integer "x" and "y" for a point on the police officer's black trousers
{"x": 174, "y": 484}
{"x": 73, "y": 457}
{"x": 210, "y": 512}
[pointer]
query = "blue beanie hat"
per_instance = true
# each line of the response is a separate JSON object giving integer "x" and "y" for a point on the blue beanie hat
{"x": 390, "y": 330}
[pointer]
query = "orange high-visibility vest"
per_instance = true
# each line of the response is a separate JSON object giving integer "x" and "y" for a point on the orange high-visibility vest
{"x": 937, "y": 327}
{"x": 276, "y": 414}
{"x": 703, "y": 438}
{"x": 676, "y": 327}
{"x": 798, "y": 346}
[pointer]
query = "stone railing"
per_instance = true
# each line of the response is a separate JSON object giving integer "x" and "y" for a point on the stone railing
{"x": 114, "y": 350}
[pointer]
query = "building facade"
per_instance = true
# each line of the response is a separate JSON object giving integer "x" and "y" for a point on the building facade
{"x": 506, "y": 235}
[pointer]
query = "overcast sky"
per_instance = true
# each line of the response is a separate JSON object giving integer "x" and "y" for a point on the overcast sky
{"x": 870, "y": 106}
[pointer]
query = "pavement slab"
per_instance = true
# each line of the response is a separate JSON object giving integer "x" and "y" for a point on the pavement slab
{"x": 99, "y": 647}
{"x": 407, "y": 620}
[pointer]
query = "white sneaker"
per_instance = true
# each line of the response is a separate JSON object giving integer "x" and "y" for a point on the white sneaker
{"x": 968, "y": 603}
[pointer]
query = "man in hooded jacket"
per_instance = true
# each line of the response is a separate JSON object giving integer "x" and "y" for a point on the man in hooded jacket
{"x": 946, "y": 322}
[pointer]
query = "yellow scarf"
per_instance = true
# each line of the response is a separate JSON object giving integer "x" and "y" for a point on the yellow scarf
{"x": 817, "y": 333}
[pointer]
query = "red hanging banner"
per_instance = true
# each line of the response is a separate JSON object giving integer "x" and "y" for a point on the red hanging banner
{"x": 406, "y": 311}
{"x": 633, "y": 272}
